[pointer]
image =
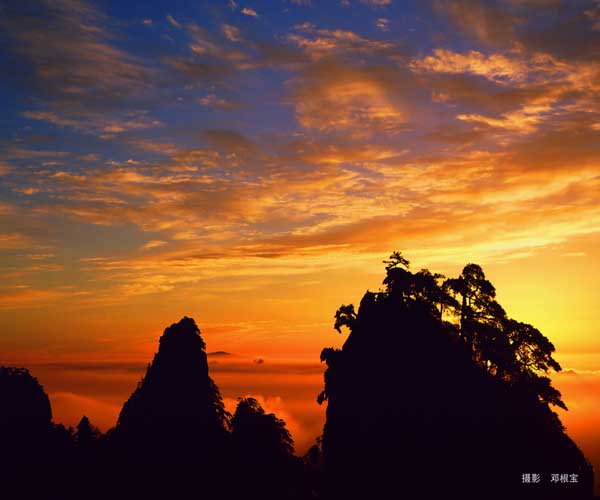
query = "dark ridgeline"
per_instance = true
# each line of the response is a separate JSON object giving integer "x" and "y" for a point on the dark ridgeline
{"x": 173, "y": 439}
{"x": 422, "y": 407}
{"x": 436, "y": 393}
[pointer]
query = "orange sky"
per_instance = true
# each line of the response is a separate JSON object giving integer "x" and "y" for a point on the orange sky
{"x": 251, "y": 168}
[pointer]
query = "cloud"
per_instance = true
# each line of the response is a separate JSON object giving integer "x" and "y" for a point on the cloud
{"x": 76, "y": 71}
{"x": 27, "y": 298}
{"x": 249, "y": 12}
{"x": 4, "y": 169}
{"x": 496, "y": 67}
{"x": 353, "y": 100}
{"x": 13, "y": 240}
{"x": 27, "y": 191}
{"x": 212, "y": 101}
{"x": 280, "y": 210}
{"x": 150, "y": 245}
{"x": 528, "y": 89}
{"x": 569, "y": 35}
{"x": 575, "y": 254}
{"x": 353, "y": 84}
{"x": 206, "y": 45}
{"x": 198, "y": 71}
{"x": 173, "y": 22}
{"x": 102, "y": 126}
{"x": 108, "y": 367}
{"x": 231, "y": 33}
{"x": 229, "y": 141}
{"x": 485, "y": 21}
{"x": 382, "y": 24}
{"x": 72, "y": 54}
{"x": 593, "y": 14}
{"x": 524, "y": 120}
{"x": 377, "y": 3}
{"x": 359, "y": 199}
{"x": 319, "y": 43}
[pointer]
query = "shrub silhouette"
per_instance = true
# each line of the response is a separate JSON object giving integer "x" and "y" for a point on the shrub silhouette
{"x": 264, "y": 453}
{"x": 261, "y": 436}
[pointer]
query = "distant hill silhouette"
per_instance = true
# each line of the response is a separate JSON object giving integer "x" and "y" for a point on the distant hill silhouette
{"x": 434, "y": 395}
{"x": 22, "y": 398}
{"x": 34, "y": 453}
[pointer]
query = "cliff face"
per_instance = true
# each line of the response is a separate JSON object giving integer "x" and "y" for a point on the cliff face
{"x": 409, "y": 411}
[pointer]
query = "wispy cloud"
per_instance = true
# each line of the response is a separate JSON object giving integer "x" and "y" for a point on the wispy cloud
{"x": 78, "y": 70}
{"x": 249, "y": 12}
{"x": 232, "y": 33}
{"x": 173, "y": 22}
{"x": 377, "y": 3}
{"x": 383, "y": 24}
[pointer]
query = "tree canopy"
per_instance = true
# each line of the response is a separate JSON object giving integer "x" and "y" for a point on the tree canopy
{"x": 515, "y": 352}
{"x": 262, "y": 434}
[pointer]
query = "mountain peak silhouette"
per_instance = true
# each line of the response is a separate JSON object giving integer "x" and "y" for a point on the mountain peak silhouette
{"x": 174, "y": 426}
{"x": 176, "y": 386}
{"x": 183, "y": 333}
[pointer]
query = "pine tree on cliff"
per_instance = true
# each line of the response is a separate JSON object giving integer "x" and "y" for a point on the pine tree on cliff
{"x": 437, "y": 393}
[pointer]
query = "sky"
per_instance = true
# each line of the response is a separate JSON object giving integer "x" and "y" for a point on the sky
{"x": 250, "y": 164}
